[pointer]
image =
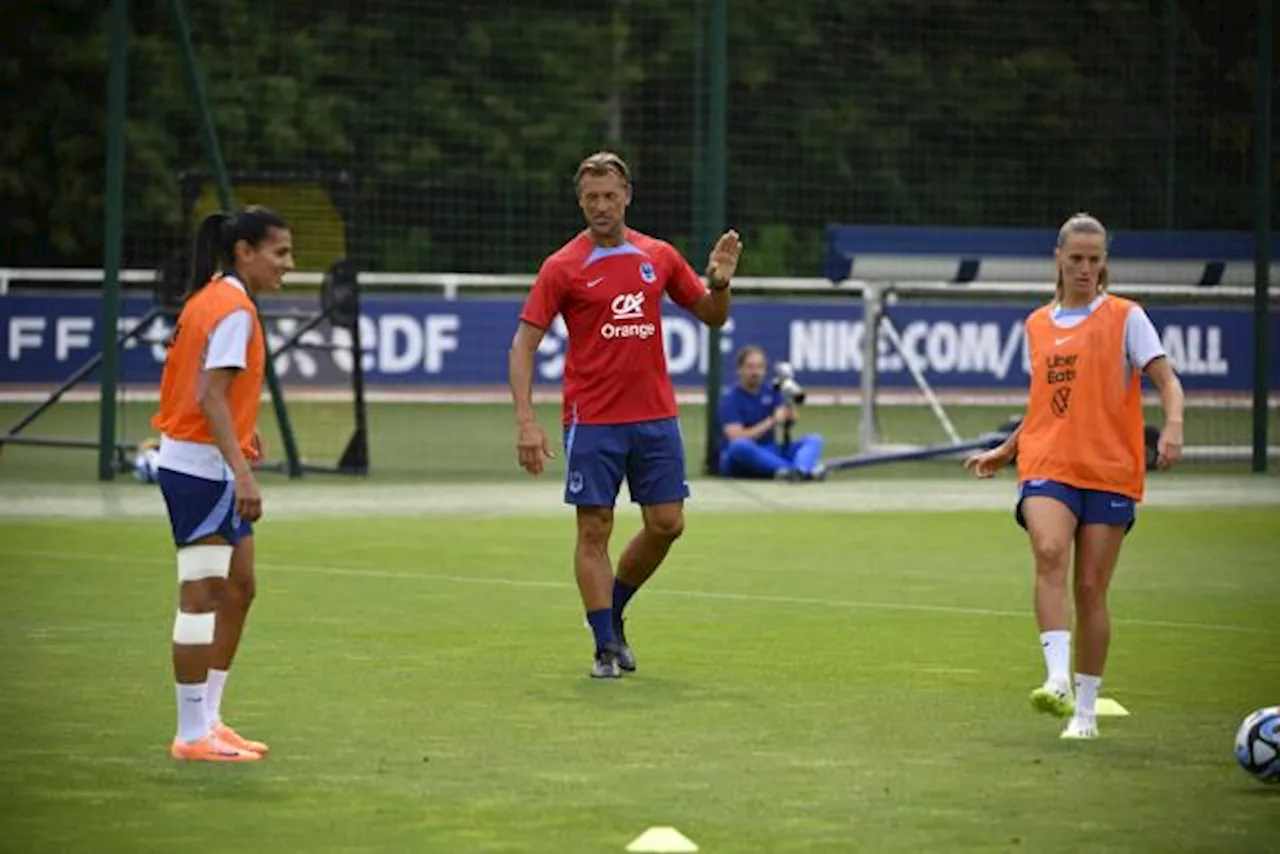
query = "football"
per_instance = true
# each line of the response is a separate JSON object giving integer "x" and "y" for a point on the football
{"x": 1258, "y": 744}
{"x": 146, "y": 462}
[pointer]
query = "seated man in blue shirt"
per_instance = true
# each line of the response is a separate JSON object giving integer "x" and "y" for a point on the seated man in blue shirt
{"x": 751, "y": 414}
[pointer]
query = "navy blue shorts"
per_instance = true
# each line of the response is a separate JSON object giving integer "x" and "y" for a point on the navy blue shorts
{"x": 200, "y": 508}
{"x": 649, "y": 454}
{"x": 1090, "y": 506}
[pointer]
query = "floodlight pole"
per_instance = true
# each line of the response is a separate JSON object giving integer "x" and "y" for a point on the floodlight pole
{"x": 113, "y": 232}
{"x": 712, "y": 184}
{"x": 1262, "y": 142}
{"x": 223, "y": 184}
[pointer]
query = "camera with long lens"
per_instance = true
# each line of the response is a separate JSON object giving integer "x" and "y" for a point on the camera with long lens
{"x": 784, "y": 382}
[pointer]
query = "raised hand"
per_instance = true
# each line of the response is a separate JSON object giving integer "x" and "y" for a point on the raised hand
{"x": 724, "y": 257}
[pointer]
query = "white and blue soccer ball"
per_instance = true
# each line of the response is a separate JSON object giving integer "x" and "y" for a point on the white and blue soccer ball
{"x": 1258, "y": 744}
{"x": 147, "y": 462}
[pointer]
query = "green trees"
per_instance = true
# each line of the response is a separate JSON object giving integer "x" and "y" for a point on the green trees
{"x": 460, "y": 124}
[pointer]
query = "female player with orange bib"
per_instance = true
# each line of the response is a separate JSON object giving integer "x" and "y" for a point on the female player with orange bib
{"x": 208, "y": 420}
{"x": 1081, "y": 460}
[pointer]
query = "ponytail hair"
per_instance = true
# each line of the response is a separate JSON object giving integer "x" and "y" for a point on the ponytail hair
{"x": 1083, "y": 223}
{"x": 217, "y": 236}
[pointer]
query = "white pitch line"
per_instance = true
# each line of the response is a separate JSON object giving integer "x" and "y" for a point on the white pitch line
{"x": 719, "y": 596}
{"x": 711, "y": 496}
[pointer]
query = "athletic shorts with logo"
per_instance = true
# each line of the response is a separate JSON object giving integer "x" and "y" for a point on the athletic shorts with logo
{"x": 648, "y": 454}
{"x": 200, "y": 508}
{"x": 1089, "y": 506}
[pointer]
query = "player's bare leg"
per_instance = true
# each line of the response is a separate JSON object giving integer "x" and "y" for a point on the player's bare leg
{"x": 195, "y": 599}
{"x": 232, "y": 613}
{"x": 663, "y": 525}
{"x": 1051, "y": 526}
{"x": 1097, "y": 552}
{"x": 591, "y": 566}
{"x": 202, "y": 572}
{"x": 594, "y": 574}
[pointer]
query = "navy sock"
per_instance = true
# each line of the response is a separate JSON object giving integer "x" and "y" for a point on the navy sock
{"x": 601, "y": 626}
{"x": 622, "y": 593}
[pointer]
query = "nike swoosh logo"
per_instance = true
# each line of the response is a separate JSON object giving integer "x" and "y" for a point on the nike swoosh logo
{"x": 1058, "y": 342}
{"x": 594, "y": 282}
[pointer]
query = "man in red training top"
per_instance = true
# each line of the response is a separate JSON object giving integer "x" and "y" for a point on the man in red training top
{"x": 619, "y": 408}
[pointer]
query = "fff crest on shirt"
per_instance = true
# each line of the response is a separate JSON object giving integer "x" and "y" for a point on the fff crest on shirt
{"x": 647, "y": 274}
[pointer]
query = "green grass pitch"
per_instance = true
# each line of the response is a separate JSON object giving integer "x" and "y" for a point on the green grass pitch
{"x": 809, "y": 682}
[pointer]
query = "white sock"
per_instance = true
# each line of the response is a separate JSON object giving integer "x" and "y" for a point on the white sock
{"x": 1087, "y": 695}
{"x": 213, "y": 696}
{"x": 193, "y": 725}
{"x": 1056, "y": 646}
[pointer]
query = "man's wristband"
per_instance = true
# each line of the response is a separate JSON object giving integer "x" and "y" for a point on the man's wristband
{"x": 721, "y": 287}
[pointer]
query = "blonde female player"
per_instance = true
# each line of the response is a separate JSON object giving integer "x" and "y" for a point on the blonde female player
{"x": 208, "y": 415}
{"x": 1081, "y": 459}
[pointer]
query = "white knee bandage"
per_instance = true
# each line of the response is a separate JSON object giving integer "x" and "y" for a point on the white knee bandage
{"x": 199, "y": 562}
{"x": 193, "y": 629}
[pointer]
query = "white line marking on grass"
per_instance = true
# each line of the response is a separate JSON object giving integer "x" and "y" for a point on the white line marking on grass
{"x": 352, "y": 500}
{"x": 716, "y": 595}
{"x": 946, "y": 671}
